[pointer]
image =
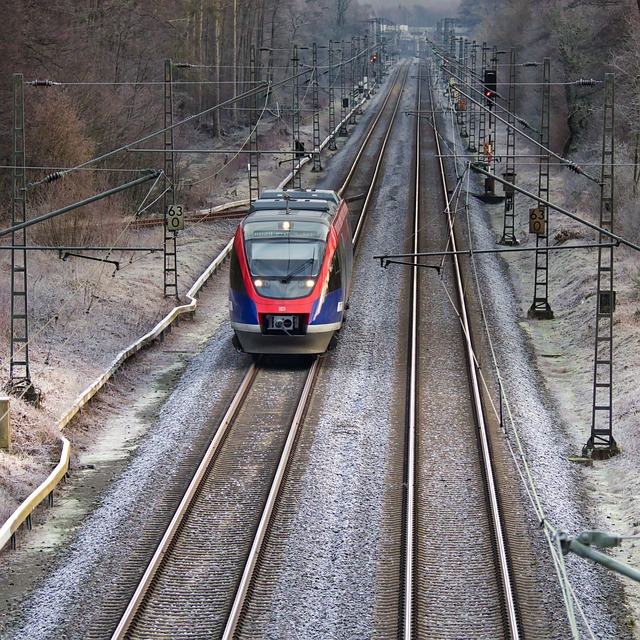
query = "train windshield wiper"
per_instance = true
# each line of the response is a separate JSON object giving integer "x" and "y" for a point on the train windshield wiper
{"x": 297, "y": 270}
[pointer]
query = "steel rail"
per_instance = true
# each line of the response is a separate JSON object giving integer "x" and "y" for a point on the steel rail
{"x": 366, "y": 141}
{"x": 374, "y": 177}
{"x": 246, "y": 581}
{"x": 508, "y": 591}
{"x": 184, "y": 506}
{"x": 410, "y": 479}
{"x": 272, "y": 499}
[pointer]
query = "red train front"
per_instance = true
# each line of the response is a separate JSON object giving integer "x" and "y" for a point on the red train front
{"x": 290, "y": 273}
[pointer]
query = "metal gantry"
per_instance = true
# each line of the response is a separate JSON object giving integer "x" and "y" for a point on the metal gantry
{"x": 541, "y": 308}
{"x": 169, "y": 196}
{"x": 19, "y": 376}
{"x": 601, "y": 443}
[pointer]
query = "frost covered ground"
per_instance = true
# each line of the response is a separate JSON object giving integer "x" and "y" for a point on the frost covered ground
{"x": 548, "y": 365}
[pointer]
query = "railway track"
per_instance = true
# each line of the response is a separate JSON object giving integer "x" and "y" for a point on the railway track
{"x": 461, "y": 531}
{"x": 454, "y": 535}
{"x": 212, "y": 558}
{"x": 189, "y": 586}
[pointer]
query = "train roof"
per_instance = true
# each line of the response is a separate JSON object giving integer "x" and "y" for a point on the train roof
{"x": 309, "y": 204}
{"x": 292, "y": 205}
{"x": 301, "y": 195}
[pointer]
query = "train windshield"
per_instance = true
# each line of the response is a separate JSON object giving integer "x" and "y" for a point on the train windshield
{"x": 284, "y": 256}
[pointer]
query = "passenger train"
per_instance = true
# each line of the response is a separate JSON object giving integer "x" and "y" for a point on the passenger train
{"x": 290, "y": 273}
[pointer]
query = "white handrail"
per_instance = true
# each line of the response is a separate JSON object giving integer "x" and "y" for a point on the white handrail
{"x": 8, "y": 529}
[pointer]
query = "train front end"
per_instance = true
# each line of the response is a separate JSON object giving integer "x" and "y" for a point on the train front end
{"x": 287, "y": 292}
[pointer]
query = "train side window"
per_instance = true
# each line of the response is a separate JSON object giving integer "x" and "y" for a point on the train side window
{"x": 235, "y": 272}
{"x": 335, "y": 275}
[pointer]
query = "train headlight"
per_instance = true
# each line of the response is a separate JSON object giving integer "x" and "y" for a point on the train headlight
{"x": 258, "y": 283}
{"x": 309, "y": 283}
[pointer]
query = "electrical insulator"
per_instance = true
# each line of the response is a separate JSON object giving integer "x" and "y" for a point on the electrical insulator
{"x": 43, "y": 83}
{"x": 56, "y": 175}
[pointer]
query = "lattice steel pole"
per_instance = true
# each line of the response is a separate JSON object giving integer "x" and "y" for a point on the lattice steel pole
{"x": 482, "y": 119}
{"x": 352, "y": 92}
{"x": 344, "y": 100}
{"x": 462, "y": 106}
{"x": 332, "y": 107}
{"x": 471, "y": 106}
{"x": 601, "y": 443}
{"x": 359, "y": 74}
{"x": 380, "y": 59}
{"x": 254, "y": 175}
{"x": 508, "y": 228}
{"x": 19, "y": 376}
{"x": 298, "y": 147}
{"x": 366, "y": 69}
{"x": 539, "y": 216}
{"x": 317, "y": 164}
{"x": 169, "y": 197}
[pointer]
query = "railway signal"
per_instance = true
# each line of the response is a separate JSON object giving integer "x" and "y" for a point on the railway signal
{"x": 490, "y": 85}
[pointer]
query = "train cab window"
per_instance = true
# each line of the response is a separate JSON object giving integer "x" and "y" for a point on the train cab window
{"x": 284, "y": 256}
{"x": 275, "y": 259}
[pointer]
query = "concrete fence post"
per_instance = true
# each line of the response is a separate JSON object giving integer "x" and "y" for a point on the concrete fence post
{"x": 5, "y": 424}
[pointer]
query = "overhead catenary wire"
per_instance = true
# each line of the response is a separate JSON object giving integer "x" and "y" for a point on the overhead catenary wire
{"x": 238, "y": 151}
{"x": 263, "y": 86}
{"x": 553, "y": 534}
{"x": 568, "y": 163}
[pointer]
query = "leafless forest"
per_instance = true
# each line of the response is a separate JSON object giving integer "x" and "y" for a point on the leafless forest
{"x": 108, "y": 58}
{"x": 584, "y": 40}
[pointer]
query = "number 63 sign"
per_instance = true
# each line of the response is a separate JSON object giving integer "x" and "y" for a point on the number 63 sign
{"x": 175, "y": 217}
{"x": 537, "y": 223}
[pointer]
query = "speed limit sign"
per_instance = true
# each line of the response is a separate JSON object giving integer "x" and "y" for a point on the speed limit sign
{"x": 537, "y": 223}
{"x": 175, "y": 217}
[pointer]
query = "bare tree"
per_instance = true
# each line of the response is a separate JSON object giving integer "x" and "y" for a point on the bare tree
{"x": 342, "y": 7}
